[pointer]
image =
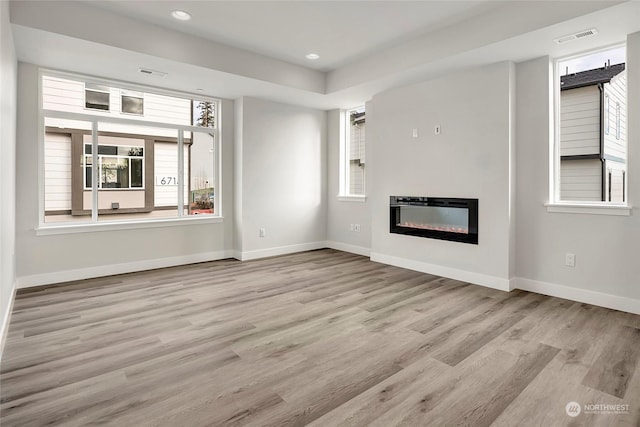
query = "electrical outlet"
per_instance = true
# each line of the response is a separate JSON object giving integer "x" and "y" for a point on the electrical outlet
{"x": 436, "y": 130}
{"x": 415, "y": 132}
{"x": 356, "y": 227}
{"x": 350, "y": 227}
{"x": 570, "y": 260}
{"x": 263, "y": 232}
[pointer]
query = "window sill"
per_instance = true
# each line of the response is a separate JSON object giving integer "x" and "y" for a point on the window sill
{"x": 48, "y": 230}
{"x": 589, "y": 208}
{"x": 360, "y": 199}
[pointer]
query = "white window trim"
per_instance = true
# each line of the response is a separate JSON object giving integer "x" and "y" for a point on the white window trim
{"x": 555, "y": 205}
{"x": 53, "y": 228}
{"x": 87, "y": 227}
{"x": 343, "y": 194}
{"x": 360, "y": 199}
{"x": 595, "y": 208}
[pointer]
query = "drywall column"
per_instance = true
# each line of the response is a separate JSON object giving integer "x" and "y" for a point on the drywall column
{"x": 471, "y": 158}
{"x": 280, "y": 178}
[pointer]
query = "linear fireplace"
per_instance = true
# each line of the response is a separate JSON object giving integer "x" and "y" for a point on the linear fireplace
{"x": 435, "y": 217}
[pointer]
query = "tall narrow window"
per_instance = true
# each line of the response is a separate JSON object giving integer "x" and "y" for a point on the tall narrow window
{"x": 590, "y": 140}
{"x": 353, "y": 155}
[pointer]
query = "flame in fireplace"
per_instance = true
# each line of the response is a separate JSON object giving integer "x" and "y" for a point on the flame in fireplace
{"x": 446, "y": 228}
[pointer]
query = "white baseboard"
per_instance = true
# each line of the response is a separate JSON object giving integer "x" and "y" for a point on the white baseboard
{"x": 439, "y": 270}
{"x": 280, "y": 250}
{"x": 108, "y": 270}
{"x": 615, "y": 302}
{"x": 345, "y": 247}
{"x": 5, "y": 320}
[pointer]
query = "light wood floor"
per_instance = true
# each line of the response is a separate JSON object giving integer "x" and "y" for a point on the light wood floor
{"x": 323, "y": 338}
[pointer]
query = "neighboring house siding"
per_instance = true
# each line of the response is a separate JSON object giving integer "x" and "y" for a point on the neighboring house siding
{"x": 581, "y": 180}
{"x": 57, "y": 172}
{"x": 614, "y": 144}
{"x": 166, "y": 166}
{"x": 67, "y": 95}
{"x": 614, "y": 189}
{"x": 580, "y": 121}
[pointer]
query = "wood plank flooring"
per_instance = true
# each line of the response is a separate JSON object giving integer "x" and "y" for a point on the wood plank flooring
{"x": 321, "y": 338}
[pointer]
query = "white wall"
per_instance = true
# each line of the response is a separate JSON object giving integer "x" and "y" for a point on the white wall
{"x": 282, "y": 156}
{"x": 606, "y": 247}
{"x": 470, "y": 159}
{"x": 51, "y": 258}
{"x": 8, "y": 84}
{"x": 341, "y": 214}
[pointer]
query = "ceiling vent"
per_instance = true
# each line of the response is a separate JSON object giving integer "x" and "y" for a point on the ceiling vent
{"x": 575, "y": 36}
{"x": 149, "y": 72}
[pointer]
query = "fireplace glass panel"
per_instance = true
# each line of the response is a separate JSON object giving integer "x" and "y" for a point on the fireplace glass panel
{"x": 437, "y": 218}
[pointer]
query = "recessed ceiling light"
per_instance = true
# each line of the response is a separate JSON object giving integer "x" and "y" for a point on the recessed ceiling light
{"x": 181, "y": 15}
{"x": 312, "y": 56}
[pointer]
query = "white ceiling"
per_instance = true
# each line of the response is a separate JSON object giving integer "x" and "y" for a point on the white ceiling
{"x": 234, "y": 49}
{"x": 339, "y": 31}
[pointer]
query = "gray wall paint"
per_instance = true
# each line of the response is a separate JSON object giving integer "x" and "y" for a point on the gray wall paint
{"x": 343, "y": 213}
{"x": 57, "y": 253}
{"x": 282, "y": 156}
{"x": 471, "y": 159}
{"x": 8, "y": 85}
{"x": 606, "y": 247}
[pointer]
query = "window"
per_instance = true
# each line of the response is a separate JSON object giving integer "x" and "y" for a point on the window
{"x": 590, "y": 144}
{"x": 119, "y": 166}
{"x": 96, "y": 97}
{"x": 617, "y": 120}
{"x": 132, "y": 103}
{"x": 150, "y": 163}
{"x": 353, "y": 154}
{"x": 607, "y": 114}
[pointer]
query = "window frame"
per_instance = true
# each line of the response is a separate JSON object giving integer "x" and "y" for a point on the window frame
{"x": 344, "y": 193}
{"x": 95, "y": 117}
{"x": 555, "y": 204}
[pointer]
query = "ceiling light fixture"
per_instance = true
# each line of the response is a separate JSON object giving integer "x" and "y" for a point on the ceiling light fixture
{"x": 312, "y": 56}
{"x": 181, "y": 15}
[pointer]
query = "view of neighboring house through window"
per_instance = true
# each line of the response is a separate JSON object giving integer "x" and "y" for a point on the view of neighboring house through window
{"x": 591, "y": 143}
{"x": 153, "y": 156}
{"x": 354, "y": 153}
